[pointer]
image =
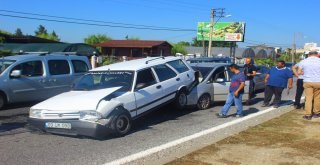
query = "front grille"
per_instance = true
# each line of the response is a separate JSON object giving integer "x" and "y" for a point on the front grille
{"x": 57, "y": 115}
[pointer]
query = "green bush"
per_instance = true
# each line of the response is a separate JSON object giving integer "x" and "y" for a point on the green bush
{"x": 107, "y": 60}
{"x": 5, "y": 53}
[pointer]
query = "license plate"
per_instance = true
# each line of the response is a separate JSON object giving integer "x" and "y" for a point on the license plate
{"x": 58, "y": 125}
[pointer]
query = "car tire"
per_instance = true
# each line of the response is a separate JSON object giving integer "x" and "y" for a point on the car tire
{"x": 204, "y": 102}
{"x": 181, "y": 100}
{"x": 2, "y": 101}
{"x": 121, "y": 124}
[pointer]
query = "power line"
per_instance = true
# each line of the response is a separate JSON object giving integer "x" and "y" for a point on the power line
{"x": 80, "y": 19}
{"x": 94, "y": 24}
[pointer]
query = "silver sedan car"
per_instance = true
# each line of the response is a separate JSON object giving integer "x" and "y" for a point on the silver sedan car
{"x": 213, "y": 85}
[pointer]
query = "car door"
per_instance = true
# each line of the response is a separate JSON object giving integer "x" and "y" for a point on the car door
{"x": 147, "y": 91}
{"x": 30, "y": 86}
{"x": 186, "y": 75}
{"x": 168, "y": 80}
{"x": 59, "y": 76}
{"x": 221, "y": 88}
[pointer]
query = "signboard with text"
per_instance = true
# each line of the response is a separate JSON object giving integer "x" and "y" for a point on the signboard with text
{"x": 222, "y": 31}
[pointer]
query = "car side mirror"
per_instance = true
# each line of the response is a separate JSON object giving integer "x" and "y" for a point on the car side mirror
{"x": 16, "y": 73}
{"x": 220, "y": 80}
{"x": 140, "y": 86}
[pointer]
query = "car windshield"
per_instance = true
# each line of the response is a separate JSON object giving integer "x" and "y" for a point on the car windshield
{"x": 107, "y": 79}
{"x": 203, "y": 70}
{"x": 4, "y": 64}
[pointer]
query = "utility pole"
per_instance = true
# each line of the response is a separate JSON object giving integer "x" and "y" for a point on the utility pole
{"x": 219, "y": 13}
{"x": 294, "y": 48}
{"x": 295, "y": 36}
{"x": 211, "y": 31}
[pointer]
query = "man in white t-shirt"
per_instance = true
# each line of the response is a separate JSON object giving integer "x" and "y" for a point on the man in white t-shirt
{"x": 300, "y": 87}
{"x": 310, "y": 69}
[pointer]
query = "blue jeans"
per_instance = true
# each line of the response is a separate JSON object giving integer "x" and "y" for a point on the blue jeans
{"x": 230, "y": 99}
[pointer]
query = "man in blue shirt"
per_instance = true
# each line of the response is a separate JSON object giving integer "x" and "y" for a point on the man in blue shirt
{"x": 236, "y": 91}
{"x": 276, "y": 81}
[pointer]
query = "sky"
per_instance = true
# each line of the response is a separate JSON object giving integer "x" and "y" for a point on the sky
{"x": 270, "y": 22}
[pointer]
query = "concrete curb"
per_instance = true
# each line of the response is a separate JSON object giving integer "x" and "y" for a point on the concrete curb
{"x": 181, "y": 147}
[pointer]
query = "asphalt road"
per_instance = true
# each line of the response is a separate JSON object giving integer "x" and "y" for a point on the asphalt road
{"x": 19, "y": 145}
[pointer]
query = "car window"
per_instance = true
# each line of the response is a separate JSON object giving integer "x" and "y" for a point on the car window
{"x": 146, "y": 77}
{"x": 30, "y": 69}
{"x": 79, "y": 66}
{"x": 58, "y": 67}
{"x": 219, "y": 73}
{"x": 164, "y": 72}
{"x": 179, "y": 66}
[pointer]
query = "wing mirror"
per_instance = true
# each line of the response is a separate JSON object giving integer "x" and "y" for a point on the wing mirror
{"x": 16, "y": 73}
{"x": 220, "y": 80}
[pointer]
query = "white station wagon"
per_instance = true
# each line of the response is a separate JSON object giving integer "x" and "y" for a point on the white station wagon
{"x": 108, "y": 98}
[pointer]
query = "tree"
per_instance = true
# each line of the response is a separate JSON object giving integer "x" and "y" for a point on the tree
{"x": 184, "y": 43}
{"x": 178, "y": 48}
{"x": 53, "y": 36}
{"x": 196, "y": 43}
{"x": 41, "y": 31}
{"x": 96, "y": 38}
{"x": 18, "y": 32}
{"x": 5, "y": 32}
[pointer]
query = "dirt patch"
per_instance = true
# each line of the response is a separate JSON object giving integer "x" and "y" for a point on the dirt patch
{"x": 287, "y": 140}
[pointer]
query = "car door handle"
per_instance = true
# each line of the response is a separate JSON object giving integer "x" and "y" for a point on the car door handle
{"x": 159, "y": 86}
{"x": 188, "y": 76}
{"x": 178, "y": 79}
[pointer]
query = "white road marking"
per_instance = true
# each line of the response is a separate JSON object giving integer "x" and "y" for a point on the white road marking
{"x": 162, "y": 147}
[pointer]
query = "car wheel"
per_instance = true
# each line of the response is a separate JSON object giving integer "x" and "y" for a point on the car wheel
{"x": 181, "y": 100}
{"x": 121, "y": 124}
{"x": 2, "y": 101}
{"x": 204, "y": 102}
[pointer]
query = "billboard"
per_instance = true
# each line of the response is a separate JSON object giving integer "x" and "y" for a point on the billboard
{"x": 222, "y": 31}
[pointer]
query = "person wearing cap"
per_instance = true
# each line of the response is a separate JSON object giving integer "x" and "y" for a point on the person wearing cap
{"x": 310, "y": 69}
{"x": 250, "y": 72}
{"x": 276, "y": 81}
{"x": 236, "y": 91}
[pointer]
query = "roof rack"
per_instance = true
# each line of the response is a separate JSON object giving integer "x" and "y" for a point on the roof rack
{"x": 40, "y": 53}
{"x": 155, "y": 59}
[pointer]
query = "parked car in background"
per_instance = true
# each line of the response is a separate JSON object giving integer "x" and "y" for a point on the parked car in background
{"x": 213, "y": 85}
{"x": 262, "y": 71}
{"x": 35, "y": 77}
{"x": 209, "y": 60}
{"x": 108, "y": 98}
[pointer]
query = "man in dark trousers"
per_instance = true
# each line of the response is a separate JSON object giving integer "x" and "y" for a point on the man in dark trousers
{"x": 276, "y": 81}
{"x": 250, "y": 71}
{"x": 300, "y": 87}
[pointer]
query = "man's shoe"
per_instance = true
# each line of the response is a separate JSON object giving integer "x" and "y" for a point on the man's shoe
{"x": 316, "y": 115}
{"x": 276, "y": 106}
{"x": 265, "y": 105}
{"x": 307, "y": 117}
{"x": 239, "y": 116}
{"x": 297, "y": 106}
{"x": 220, "y": 115}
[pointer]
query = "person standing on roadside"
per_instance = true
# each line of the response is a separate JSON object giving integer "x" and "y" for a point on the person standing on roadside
{"x": 236, "y": 91}
{"x": 276, "y": 81}
{"x": 300, "y": 87}
{"x": 310, "y": 69}
{"x": 250, "y": 72}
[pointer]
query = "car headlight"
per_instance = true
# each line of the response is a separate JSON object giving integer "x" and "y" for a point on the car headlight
{"x": 90, "y": 115}
{"x": 35, "y": 113}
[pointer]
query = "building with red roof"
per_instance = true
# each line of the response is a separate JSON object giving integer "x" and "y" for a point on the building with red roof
{"x": 135, "y": 48}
